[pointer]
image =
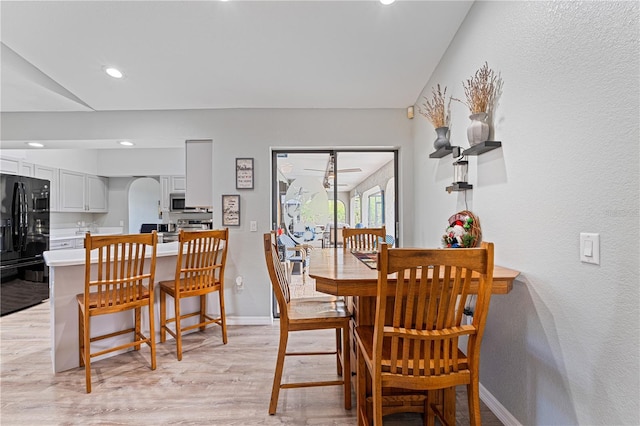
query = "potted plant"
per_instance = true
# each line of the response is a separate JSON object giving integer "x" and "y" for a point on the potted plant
{"x": 436, "y": 110}
{"x": 480, "y": 92}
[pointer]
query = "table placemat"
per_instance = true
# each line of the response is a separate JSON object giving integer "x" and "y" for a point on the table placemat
{"x": 369, "y": 258}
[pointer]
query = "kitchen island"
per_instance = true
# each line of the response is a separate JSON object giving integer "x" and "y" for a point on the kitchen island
{"x": 66, "y": 278}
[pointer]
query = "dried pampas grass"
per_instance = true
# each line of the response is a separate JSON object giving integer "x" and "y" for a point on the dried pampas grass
{"x": 481, "y": 90}
{"x": 434, "y": 109}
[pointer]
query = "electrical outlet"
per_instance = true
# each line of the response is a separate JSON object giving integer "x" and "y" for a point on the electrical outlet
{"x": 239, "y": 283}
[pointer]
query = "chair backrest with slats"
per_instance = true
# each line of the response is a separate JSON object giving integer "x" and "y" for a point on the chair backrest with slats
{"x": 421, "y": 325}
{"x": 277, "y": 275}
{"x": 362, "y": 239}
{"x": 122, "y": 271}
{"x": 202, "y": 257}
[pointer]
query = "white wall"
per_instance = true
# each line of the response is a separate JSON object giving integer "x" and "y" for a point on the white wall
{"x": 235, "y": 133}
{"x": 142, "y": 162}
{"x": 562, "y": 348}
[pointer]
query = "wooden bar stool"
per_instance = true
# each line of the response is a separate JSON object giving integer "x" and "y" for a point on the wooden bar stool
{"x": 202, "y": 256}
{"x": 306, "y": 314}
{"x": 121, "y": 280}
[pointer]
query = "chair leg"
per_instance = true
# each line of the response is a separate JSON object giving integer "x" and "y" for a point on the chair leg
{"x": 473, "y": 396}
{"x": 80, "y": 337}
{"x": 277, "y": 377}
{"x": 87, "y": 351}
{"x": 429, "y": 415}
{"x": 339, "y": 350}
{"x": 377, "y": 405}
{"x": 152, "y": 334}
{"x": 223, "y": 316}
{"x": 449, "y": 405}
{"x": 361, "y": 390}
{"x": 163, "y": 316}
{"x": 137, "y": 328}
{"x": 176, "y": 301}
{"x": 203, "y": 310}
{"x": 346, "y": 362}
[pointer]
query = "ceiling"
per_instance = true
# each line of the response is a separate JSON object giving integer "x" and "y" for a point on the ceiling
{"x": 215, "y": 55}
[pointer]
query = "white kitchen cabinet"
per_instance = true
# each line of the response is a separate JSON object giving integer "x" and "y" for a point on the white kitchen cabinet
{"x": 16, "y": 166}
{"x": 170, "y": 185}
{"x": 178, "y": 184}
{"x": 50, "y": 174}
{"x": 199, "y": 158}
{"x": 10, "y": 165}
{"x": 165, "y": 190}
{"x": 80, "y": 192}
{"x": 97, "y": 194}
{"x": 27, "y": 169}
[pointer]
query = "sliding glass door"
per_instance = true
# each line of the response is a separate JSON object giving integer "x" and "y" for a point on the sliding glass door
{"x": 318, "y": 192}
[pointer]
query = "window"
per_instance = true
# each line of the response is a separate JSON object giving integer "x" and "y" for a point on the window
{"x": 357, "y": 210}
{"x": 376, "y": 210}
{"x": 341, "y": 210}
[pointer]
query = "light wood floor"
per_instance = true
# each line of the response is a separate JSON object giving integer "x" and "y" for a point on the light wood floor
{"x": 214, "y": 384}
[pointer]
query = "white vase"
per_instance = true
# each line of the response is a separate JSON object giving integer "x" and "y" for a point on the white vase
{"x": 478, "y": 130}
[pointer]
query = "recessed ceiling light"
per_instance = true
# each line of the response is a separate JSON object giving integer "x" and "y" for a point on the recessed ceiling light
{"x": 126, "y": 143}
{"x": 35, "y": 144}
{"x": 113, "y": 72}
{"x": 387, "y": 2}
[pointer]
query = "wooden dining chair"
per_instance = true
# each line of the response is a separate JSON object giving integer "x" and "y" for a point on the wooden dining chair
{"x": 120, "y": 279}
{"x": 363, "y": 239}
{"x": 306, "y": 314}
{"x": 413, "y": 344}
{"x": 296, "y": 253}
{"x": 200, "y": 265}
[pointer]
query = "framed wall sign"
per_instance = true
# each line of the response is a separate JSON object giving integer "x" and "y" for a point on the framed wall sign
{"x": 230, "y": 210}
{"x": 244, "y": 173}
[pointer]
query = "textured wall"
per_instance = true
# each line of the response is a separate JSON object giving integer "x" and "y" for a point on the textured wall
{"x": 563, "y": 347}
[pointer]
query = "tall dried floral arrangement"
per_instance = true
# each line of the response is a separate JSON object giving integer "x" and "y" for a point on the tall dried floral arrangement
{"x": 434, "y": 109}
{"x": 481, "y": 90}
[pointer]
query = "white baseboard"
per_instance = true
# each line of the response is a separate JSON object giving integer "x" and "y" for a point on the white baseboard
{"x": 249, "y": 320}
{"x": 498, "y": 409}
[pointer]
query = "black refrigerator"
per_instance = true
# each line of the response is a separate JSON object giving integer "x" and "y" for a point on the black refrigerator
{"x": 24, "y": 224}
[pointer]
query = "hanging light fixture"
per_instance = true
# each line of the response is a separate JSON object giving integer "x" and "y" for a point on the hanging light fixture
{"x": 460, "y": 169}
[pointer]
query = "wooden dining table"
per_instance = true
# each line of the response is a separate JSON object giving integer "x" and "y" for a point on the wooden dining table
{"x": 340, "y": 272}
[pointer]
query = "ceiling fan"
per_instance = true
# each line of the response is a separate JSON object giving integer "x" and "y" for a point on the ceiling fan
{"x": 352, "y": 170}
{"x": 329, "y": 170}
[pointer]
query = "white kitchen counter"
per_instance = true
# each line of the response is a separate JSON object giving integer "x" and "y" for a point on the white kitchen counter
{"x": 65, "y": 234}
{"x": 72, "y": 257}
{"x": 66, "y": 278}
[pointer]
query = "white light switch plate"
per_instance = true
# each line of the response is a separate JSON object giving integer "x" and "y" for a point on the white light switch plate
{"x": 253, "y": 226}
{"x": 590, "y": 248}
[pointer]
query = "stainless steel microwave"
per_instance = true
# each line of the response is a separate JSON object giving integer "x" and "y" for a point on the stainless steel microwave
{"x": 177, "y": 203}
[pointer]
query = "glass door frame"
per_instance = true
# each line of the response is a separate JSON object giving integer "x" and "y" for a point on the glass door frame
{"x": 335, "y": 153}
{"x": 392, "y": 229}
